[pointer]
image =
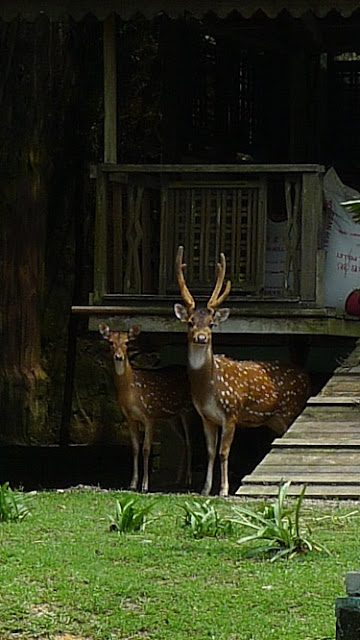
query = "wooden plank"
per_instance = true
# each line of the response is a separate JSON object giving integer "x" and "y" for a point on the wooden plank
{"x": 342, "y": 387}
{"x": 318, "y": 438}
{"x": 316, "y": 491}
{"x": 287, "y": 442}
{"x": 292, "y": 188}
{"x": 343, "y": 376}
{"x": 310, "y": 221}
{"x": 311, "y": 470}
{"x": 110, "y": 119}
{"x": 100, "y": 238}
{"x": 146, "y": 270}
{"x": 216, "y": 168}
{"x": 117, "y": 239}
{"x": 336, "y": 401}
{"x": 261, "y": 222}
{"x": 327, "y": 425}
{"x": 340, "y": 414}
{"x": 313, "y": 456}
{"x": 314, "y": 478}
{"x": 346, "y": 436}
{"x": 314, "y": 434}
{"x": 164, "y": 224}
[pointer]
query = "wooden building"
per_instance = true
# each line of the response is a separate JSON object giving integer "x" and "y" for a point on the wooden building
{"x": 258, "y": 99}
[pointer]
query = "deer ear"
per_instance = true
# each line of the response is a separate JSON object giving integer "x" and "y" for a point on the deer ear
{"x": 134, "y": 331}
{"x": 181, "y": 312}
{"x": 221, "y": 315}
{"x": 104, "y": 330}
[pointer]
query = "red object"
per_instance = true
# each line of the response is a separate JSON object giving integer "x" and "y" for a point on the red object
{"x": 352, "y": 304}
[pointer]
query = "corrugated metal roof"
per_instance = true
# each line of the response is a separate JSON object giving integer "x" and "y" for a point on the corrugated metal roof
{"x": 30, "y": 9}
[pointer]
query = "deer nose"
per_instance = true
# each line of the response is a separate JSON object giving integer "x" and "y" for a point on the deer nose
{"x": 118, "y": 356}
{"x": 200, "y": 338}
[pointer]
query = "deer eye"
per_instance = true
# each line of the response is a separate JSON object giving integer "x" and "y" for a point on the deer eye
{"x": 111, "y": 343}
{"x": 190, "y": 324}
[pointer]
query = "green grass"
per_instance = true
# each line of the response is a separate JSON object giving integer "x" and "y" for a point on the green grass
{"x": 64, "y": 574}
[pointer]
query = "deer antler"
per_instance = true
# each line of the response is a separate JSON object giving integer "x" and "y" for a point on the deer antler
{"x": 215, "y": 301}
{"x": 184, "y": 291}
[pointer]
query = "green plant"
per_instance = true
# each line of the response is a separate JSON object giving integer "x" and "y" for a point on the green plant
{"x": 203, "y": 520}
{"x": 279, "y": 526}
{"x": 66, "y": 576}
{"x": 12, "y": 504}
{"x": 353, "y": 206}
{"x": 130, "y": 515}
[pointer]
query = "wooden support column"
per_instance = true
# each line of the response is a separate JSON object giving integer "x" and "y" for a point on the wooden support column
{"x": 110, "y": 115}
{"x": 311, "y": 218}
{"x": 100, "y": 240}
{"x": 110, "y": 156}
{"x": 347, "y": 610}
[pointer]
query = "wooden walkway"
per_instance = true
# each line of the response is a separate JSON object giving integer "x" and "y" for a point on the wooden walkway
{"x": 322, "y": 447}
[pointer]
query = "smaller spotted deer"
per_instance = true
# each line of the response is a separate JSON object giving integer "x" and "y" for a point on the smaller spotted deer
{"x": 228, "y": 393}
{"x": 146, "y": 396}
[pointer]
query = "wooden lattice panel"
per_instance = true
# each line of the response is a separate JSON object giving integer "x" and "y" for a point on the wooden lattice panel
{"x": 207, "y": 220}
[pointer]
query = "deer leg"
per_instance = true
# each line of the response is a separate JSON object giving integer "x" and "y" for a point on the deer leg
{"x": 135, "y": 443}
{"x": 227, "y": 438}
{"x": 211, "y": 437}
{"x": 148, "y": 437}
{"x": 278, "y": 424}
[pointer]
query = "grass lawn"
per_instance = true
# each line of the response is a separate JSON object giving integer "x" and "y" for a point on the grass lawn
{"x": 65, "y": 575}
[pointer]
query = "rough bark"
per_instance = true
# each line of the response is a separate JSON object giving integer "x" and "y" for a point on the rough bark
{"x": 23, "y": 208}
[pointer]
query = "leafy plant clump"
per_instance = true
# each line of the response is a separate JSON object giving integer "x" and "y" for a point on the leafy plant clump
{"x": 353, "y": 206}
{"x": 203, "y": 520}
{"x": 130, "y": 515}
{"x": 12, "y": 505}
{"x": 278, "y": 525}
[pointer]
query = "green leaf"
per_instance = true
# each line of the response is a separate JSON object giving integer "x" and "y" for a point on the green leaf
{"x": 277, "y": 523}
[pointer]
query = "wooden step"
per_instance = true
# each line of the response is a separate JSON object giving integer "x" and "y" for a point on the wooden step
{"x": 312, "y": 434}
{"x": 303, "y": 478}
{"x": 321, "y": 448}
{"x": 333, "y": 413}
{"x": 342, "y": 386}
{"x": 288, "y": 470}
{"x": 321, "y": 492}
{"x": 312, "y": 456}
{"x": 326, "y": 426}
{"x": 343, "y": 401}
{"x": 339, "y": 442}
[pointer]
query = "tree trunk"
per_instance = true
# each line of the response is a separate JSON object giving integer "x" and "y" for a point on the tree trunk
{"x": 23, "y": 383}
{"x": 23, "y": 210}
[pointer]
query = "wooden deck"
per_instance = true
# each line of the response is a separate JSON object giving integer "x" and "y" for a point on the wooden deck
{"x": 322, "y": 447}
{"x": 156, "y": 314}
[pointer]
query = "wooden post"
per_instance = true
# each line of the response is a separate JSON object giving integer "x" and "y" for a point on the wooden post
{"x": 110, "y": 119}
{"x": 100, "y": 237}
{"x": 110, "y": 156}
{"x": 117, "y": 233}
{"x": 311, "y": 218}
{"x": 347, "y": 610}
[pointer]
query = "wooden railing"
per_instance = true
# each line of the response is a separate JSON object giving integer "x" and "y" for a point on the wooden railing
{"x": 143, "y": 212}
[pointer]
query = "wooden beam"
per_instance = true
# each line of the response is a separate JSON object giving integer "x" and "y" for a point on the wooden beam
{"x": 110, "y": 106}
{"x": 100, "y": 238}
{"x": 311, "y": 220}
{"x": 212, "y": 168}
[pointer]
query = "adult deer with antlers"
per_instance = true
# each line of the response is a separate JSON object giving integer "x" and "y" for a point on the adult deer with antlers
{"x": 229, "y": 393}
{"x": 146, "y": 397}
